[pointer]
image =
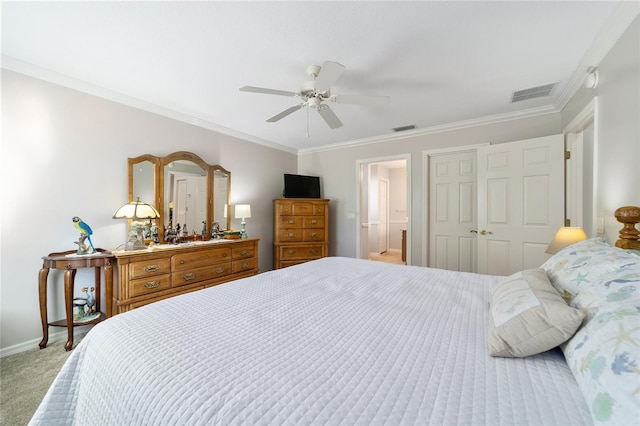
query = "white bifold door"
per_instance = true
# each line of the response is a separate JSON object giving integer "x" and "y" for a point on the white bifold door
{"x": 494, "y": 210}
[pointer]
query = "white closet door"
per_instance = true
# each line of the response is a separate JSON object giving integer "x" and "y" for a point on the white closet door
{"x": 520, "y": 203}
{"x": 452, "y": 211}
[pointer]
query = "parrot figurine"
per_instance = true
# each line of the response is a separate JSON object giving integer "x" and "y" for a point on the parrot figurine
{"x": 84, "y": 229}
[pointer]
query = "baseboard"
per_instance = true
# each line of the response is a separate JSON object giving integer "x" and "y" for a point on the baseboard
{"x": 33, "y": 344}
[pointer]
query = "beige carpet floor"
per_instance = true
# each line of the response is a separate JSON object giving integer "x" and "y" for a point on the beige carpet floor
{"x": 25, "y": 378}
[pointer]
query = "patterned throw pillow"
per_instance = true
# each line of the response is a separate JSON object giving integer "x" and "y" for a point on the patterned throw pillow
{"x": 604, "y": 355}
{"x": 528, "y": 316}
{"x": 581, "y": 264}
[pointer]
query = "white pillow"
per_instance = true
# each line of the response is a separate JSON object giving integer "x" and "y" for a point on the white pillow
{"x": 528, "y": 316}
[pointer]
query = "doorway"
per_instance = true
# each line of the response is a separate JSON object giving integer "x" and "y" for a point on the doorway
{"x": 383, "y": 211}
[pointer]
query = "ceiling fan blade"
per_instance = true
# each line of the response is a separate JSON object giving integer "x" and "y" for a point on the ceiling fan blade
{"x": 284, "y": 113}
{"x": 361, "y": 100}
{"x": 328, "y": 75}
{"x": 267, "y": 91}
{"x": 327, "y": 113}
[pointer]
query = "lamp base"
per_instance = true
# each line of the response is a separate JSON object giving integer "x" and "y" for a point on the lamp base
{"x": 243, "y": 232}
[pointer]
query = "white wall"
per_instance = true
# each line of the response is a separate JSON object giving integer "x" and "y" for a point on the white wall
{"x": 65, "y": 153}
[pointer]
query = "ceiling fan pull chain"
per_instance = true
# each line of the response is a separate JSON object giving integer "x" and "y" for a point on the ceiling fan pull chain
{"x": 307, "y": 122}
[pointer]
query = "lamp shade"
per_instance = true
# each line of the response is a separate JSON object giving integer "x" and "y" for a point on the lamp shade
{"x": 243, "y": 211}
{"x": 565, "y": 237}
{"x": 136, "y": 210}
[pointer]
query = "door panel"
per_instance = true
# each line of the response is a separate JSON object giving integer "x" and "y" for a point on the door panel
{"x": 452, "y": 211}
{"x": 520, "y": 203}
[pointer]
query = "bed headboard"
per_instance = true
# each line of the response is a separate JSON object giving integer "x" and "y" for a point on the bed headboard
{"x": 629, "y": 234}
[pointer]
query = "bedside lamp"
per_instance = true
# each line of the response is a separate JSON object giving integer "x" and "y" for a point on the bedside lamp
{"x": 565, "y": 237}
{"x": 243, "y": 211}
{"x": 136, "y": 210}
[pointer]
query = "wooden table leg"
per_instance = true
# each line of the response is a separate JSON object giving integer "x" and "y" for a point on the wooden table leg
{"x": 42, "y": 293}
{"x": 97, "y": 287}
{"x": 108, "y": 291}
{"x": 69, "y": 276}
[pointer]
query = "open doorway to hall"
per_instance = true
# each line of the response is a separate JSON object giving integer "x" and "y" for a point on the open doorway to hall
{"x": 384, "y": 209}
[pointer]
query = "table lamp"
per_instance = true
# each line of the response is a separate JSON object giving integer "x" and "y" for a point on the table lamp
{"x": 243, "y": 211}
{"x": 136, "y": 210}
{"x": 565, "y": 237}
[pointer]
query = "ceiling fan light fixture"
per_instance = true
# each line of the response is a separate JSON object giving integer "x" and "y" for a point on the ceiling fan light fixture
{"x": 314, "y": 102}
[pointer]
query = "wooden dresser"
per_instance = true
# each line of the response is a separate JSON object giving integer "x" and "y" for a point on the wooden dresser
{"x": 301, "y": 230}
{"x": 147, "y": 276}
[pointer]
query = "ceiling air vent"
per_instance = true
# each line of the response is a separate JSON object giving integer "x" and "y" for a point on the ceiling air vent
{"x": 533, "y": 92}
{"x": 404, "y": 128}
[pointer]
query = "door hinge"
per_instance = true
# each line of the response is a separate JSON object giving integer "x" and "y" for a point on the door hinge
{"x": 567, "y": 222}
{"x": 567, "y": 155}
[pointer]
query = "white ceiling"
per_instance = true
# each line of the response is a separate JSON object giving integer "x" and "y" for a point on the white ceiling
{"x": 443, "y": 64}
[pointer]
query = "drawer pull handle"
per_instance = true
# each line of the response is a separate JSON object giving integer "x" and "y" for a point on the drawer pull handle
{"x": 219, "y": 270}
{"x": 152, "y": 268}
{"x": 244, "y": 265}
{"x": 313, "y": 222}
{"x": 291, "y": 235}
{"x": 182, "y": 262}
{"x": 291, "y": 252}
{"x": 291, "y": 222}
{"x": 151, "y": 284}
{"x": 314, "y": 234}
{"x": 188, "y": 277}
{"x": 225, "y": 254}
{"x": 313, "y": 251}
{"x": 244, "y": 253}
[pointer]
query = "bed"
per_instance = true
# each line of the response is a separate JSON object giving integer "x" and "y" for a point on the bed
{"x": 355, "y": 342}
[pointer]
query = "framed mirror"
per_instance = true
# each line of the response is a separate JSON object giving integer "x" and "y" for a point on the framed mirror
{"x": 183, "y": 188}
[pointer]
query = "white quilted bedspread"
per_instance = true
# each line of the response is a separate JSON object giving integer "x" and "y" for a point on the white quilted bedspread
{"x": 337, "y": 341}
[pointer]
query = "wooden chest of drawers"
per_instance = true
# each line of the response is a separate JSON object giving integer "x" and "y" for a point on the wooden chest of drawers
{"x": 301, "y": 230}
{"x": 148, "y": 276}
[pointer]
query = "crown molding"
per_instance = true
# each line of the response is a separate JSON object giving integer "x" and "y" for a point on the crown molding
{"x": 482, "y": 121}
{"x": 34, "y": 71}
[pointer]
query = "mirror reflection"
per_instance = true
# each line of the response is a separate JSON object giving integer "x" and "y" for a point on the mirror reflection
{"x": 143, "y": 182}
{"x": 221, "y": 192}
{"x": 184, "y": 189}
{"x": 185, "y": 195}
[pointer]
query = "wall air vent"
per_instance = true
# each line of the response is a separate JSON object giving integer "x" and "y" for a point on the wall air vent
{"x": 404, "y": 128}
{"x": 533, "y": 92}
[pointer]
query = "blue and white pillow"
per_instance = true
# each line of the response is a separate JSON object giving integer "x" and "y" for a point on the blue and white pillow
{"x": 604, "y": 354}
{"x": 582, "y": 264}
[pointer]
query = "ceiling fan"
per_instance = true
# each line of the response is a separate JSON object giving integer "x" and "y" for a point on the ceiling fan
{"x": 316, "y": 91}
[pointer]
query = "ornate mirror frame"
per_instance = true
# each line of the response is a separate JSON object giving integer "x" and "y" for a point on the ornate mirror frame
{"x": 139, "y": 169}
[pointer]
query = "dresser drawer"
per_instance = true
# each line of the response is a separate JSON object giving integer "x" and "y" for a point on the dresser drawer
{"x": 313, "y": 222}
{"x": 311, "y": 235}
{"x": 244, "y": 265}
{"x": 301, "y": 252}
{"x": 149, "y": 268}
{"x": 291, "y": 222}
{"x": 200, "y": 274}
{"x": 198, "y": 259}
{"x": 291, "y": 235}
{"x": 243, "y": 251}
{"x": 148, "y": 285}
{"x": 302, "y": 208}
{"x": 284, "y": 209}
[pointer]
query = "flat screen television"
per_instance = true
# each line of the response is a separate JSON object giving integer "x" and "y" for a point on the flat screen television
{"x": 300, "y": 186}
